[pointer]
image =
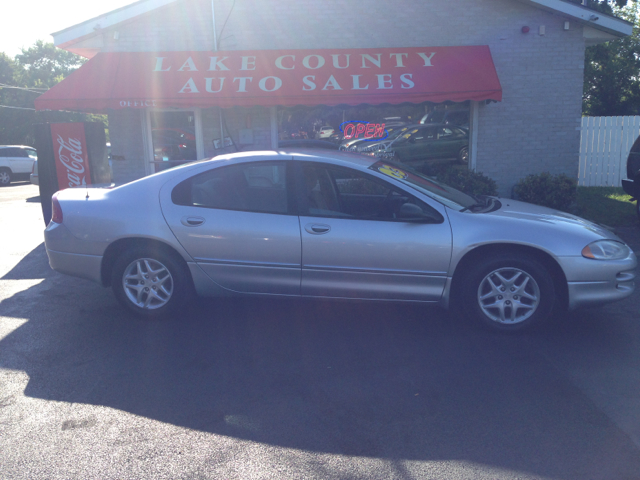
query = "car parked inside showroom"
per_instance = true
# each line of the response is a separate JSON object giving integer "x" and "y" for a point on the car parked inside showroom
{"x": 16, "y": 163}
{"x": 422, "y": 143}
{"x": 457, "y": 117}
{"x": 328, "y": 224}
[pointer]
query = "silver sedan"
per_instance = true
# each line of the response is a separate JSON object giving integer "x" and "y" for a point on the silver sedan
{"x": 332, "y": 225}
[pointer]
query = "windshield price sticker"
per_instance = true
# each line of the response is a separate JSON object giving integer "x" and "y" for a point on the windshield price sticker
{"x": 392, "y": 171}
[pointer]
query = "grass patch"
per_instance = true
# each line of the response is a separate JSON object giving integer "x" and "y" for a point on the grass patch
{"x": 606, "y": 205}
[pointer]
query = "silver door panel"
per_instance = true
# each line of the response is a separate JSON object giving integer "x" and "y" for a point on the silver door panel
{"x": 242, "y": 251}
{"x": 255, "y": 279}
{"x": 362, "y": 259}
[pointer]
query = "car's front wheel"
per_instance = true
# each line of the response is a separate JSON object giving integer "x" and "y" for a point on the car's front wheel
{"x": 5, "y": 177}
{"x": 508, "y": 292}
{"x": 148, "y": 283}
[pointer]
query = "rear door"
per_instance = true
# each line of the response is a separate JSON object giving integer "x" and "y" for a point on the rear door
{"x": 239, "y": 222}
{"x": 19, "y": 160}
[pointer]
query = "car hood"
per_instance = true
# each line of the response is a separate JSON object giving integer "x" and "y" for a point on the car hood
{"x": 535, "y": 213}
{"x": 558, "y": 233}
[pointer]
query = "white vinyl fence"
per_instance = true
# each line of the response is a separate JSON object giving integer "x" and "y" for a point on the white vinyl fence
{"x": 605, "y": 143}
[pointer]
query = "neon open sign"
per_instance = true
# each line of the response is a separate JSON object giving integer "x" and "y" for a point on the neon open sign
{"x": 368, "y": 131}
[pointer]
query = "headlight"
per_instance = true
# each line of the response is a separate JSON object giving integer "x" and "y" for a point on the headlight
{"x": 606, "y": 250}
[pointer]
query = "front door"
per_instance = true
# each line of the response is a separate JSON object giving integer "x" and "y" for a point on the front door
{"x": 238, "y": 223}
{"x": 354, "y": 245}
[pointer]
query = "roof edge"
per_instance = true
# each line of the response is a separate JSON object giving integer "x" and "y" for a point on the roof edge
{"x": 594, "y": 19}
{"x": 106, "y": 20}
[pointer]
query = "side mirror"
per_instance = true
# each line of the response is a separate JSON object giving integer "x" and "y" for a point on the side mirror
{"x": 409, "y": 211}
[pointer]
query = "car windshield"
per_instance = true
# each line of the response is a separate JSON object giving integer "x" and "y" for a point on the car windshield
{"x": 429, "y": 186}
{"x": 404, "y": 136}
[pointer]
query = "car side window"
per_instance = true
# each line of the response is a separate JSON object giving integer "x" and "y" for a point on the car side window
{"x": 425, "y": 135}
{"x": 445, "y": 132}
{"x": 252, "y": 187}
{"x": 4, "y": 152}
{"x": 12, "y": 152}
{"x": 344, "y": 193}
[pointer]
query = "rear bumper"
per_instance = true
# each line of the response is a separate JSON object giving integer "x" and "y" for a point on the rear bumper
{"x": 58, "y": 241}
{"x": 83, "y": 266}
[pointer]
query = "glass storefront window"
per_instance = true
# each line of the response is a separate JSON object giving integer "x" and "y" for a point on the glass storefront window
{"x": 420, "y": 135}
{"x": 174, "y": 139}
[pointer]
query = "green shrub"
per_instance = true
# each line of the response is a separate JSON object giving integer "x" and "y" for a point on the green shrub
{"x": 553, "y": 191}
{"x": 463, "y": 179}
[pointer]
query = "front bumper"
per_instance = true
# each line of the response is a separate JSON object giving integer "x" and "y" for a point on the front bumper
{"x": 595, "y": 282}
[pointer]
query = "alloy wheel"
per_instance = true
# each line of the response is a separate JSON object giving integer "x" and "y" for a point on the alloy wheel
{"x": 5, "y": 178}
{"x": 147, "y": 283}
{"x": 508, "y": 296}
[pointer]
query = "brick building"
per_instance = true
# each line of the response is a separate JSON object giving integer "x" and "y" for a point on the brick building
{"x": 537, "y": 47}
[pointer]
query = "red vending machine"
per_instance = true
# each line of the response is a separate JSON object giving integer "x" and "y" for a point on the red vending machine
{"x": 70, "y": 155}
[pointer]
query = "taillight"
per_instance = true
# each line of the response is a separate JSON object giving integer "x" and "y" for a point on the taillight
{"x": 56, "y": 210}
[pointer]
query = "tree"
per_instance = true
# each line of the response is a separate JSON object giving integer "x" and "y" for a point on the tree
{"x": 33, "y": 71}
{"x": 604, "y": 6}
{"x": 44, "y": 65}
{"x": 611, "y": 83}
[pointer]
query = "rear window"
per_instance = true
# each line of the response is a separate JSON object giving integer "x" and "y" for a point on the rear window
{"x": 252, "y": 187}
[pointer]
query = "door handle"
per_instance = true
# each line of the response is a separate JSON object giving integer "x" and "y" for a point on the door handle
{"x": 192, "y": 221}
{"x": 317, "y": 228}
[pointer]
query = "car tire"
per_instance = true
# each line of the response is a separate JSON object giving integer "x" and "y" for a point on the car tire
{"x": 463, "y": 156}
{"x": 508, "y": 293}
{"x": 5, "y": 177}
{"x": 151, "y": 283}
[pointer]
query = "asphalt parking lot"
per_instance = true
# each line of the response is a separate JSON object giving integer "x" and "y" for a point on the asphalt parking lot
{"x": 260, "y": 388}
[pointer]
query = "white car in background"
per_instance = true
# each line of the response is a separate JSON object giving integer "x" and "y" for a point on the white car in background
{"x": 16, "y": 161}
{"x": 34, "y": 174}
{"x": 325, "y": 132}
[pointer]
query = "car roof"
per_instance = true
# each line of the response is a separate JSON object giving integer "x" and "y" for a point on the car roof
{"x": 17, "y": 146}
{"x": 293, "y": 153}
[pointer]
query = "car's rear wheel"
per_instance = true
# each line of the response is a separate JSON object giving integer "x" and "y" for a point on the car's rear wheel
{"x": 508, "y": 292}
{"x": 5, "y": 177}
{"x": 151, "y": 284}
{"x": 463, "y": 155}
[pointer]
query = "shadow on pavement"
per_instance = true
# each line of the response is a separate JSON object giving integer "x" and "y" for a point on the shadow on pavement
{"x": 380, "y": 380}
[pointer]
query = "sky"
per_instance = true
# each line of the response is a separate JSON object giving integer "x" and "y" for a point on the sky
{"x": 25, "y": 21}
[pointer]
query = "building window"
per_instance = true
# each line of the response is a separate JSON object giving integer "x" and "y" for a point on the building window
{"x": 173, "y": 137}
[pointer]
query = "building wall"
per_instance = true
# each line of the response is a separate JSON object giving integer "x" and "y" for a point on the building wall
{"x": 536, "y": 126}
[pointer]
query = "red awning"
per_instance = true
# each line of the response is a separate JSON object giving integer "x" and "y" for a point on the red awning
{"x": 277, "y": 77}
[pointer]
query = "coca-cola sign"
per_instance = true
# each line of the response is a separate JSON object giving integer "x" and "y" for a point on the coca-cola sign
{"x": 70, "y": 150}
